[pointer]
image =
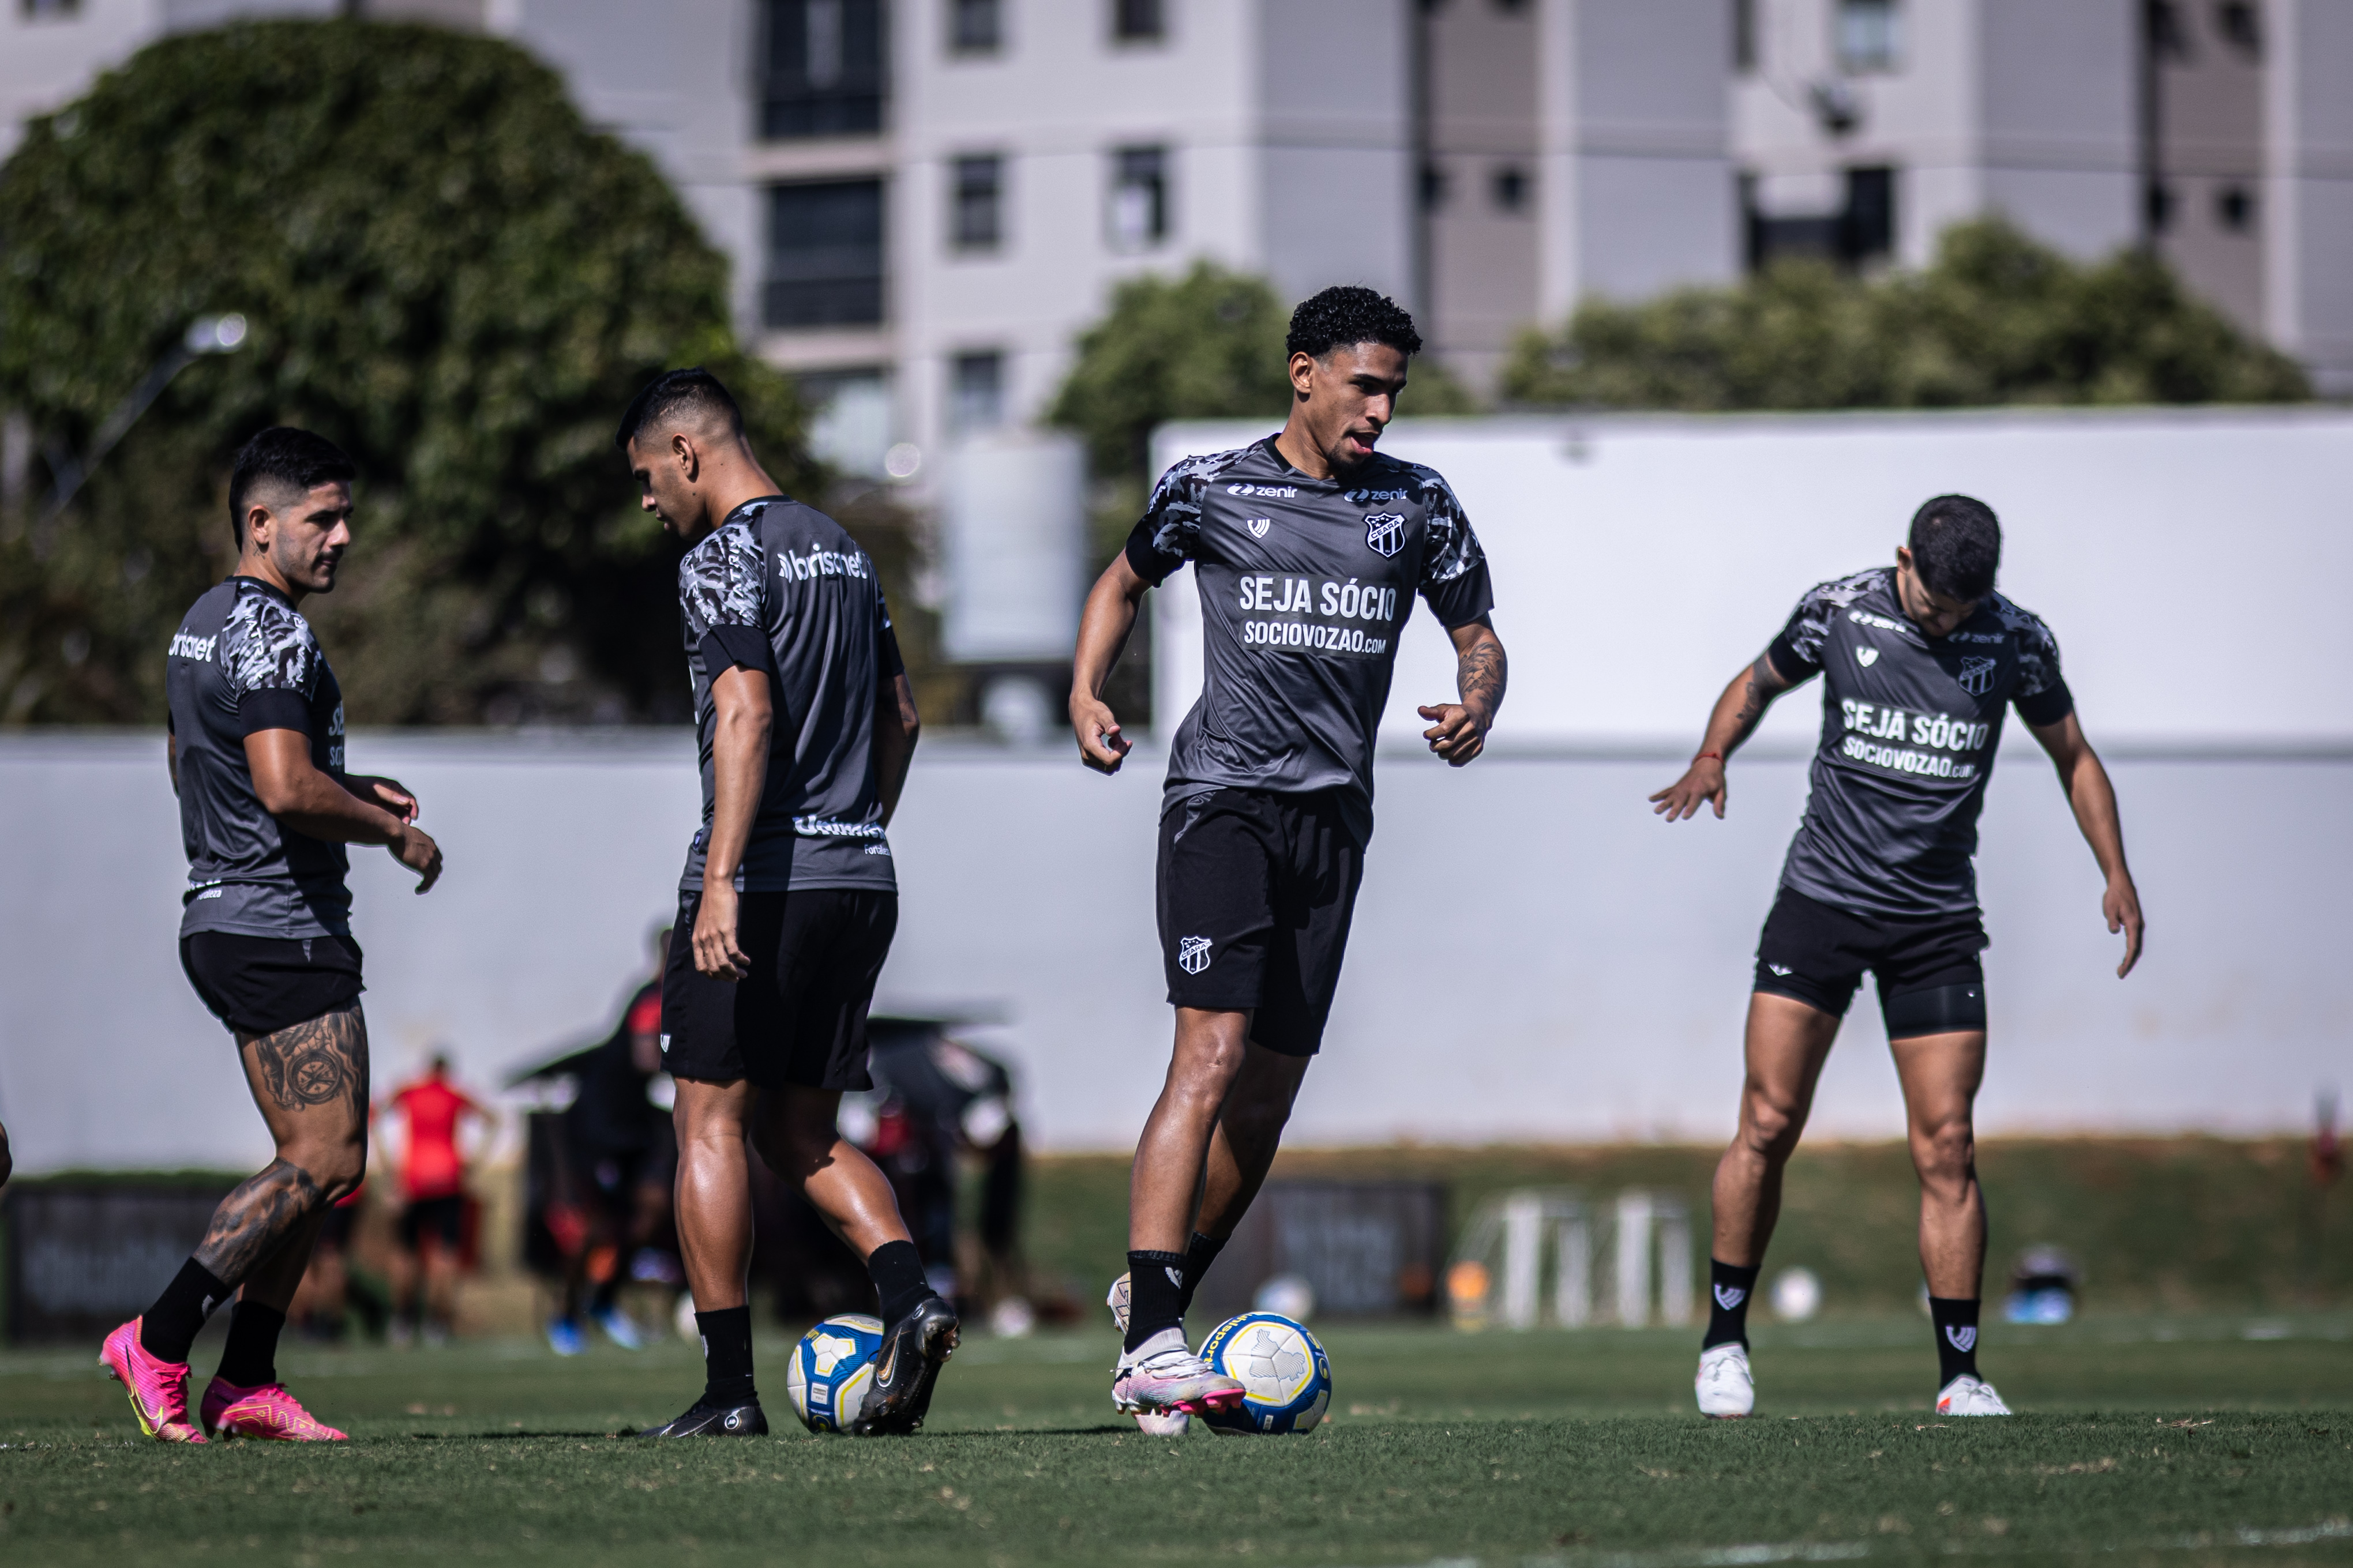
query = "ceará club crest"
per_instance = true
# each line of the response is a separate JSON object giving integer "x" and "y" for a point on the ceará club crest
{"x": 1384, "y": 532}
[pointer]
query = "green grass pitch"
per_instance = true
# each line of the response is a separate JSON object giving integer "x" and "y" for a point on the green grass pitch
{"x": 2173, "y": 1441}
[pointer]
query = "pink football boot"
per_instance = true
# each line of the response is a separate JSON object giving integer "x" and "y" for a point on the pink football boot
{"x": 268, "y": 1412}
{"x": 158, "y": 1389}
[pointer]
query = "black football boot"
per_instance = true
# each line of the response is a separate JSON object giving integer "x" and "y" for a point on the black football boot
{"x": 706, "y": 1420}
{"x": 913, "y": 1350}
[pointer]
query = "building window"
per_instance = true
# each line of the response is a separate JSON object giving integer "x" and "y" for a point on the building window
{"x": 2158, "y": 203}
{"x": 825, "y": 255}
{"x": 824, "y": 73}
{"x": 1869, "y": 37}
{"x": 1139, "y": 197}
{"x": 976, "y": 27}
{"x": 2237, "y": 22}
{"x": 976, "y": 218}
{"x": 1511, "y": 189}
{"x": 1744, "y": 35}
{"x": 1861, "y": 231}
{"x": 2167, "y": 39}
{"x": 976, "y": 392}
{"x": 849, "y": 417}
{"x": 1139, "y": 21}
{"x": 1433, "y": 187}
{"x": 2235, "y": 209}
{"x": 48, "y": 10}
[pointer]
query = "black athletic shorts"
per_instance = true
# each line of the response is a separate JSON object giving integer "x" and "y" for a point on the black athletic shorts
{"x": 799, "y": 1016}
{"x": 1930, "y": 981}
{"x": 260, "y": 984}
{"x": 1255, "y": 893}
{"x": 442, "y": 1219}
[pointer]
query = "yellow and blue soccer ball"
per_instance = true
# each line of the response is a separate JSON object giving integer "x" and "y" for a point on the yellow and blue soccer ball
{"x": 832, "y": 1371}
{"x": 1285, "y": 1376}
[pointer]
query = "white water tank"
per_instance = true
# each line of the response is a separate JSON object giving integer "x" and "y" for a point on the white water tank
{"x": 1012, "y": 536}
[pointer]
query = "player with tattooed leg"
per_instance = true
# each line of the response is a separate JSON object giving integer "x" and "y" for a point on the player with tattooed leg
{"x": 1919, "y": 662}
{"x": 256, "y": 750}
{"x": 1310, "y": 546}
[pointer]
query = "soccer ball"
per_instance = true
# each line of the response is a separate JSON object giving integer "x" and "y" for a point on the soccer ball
{"x": 1285, "y": 1376}
{"x": 832, "y": 1371}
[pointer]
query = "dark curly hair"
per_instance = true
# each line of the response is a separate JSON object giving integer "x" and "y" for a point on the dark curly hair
{"x": 1350, "y": 314}
{"x": 1956, "y": 546}
{"x": 282, "y": 457}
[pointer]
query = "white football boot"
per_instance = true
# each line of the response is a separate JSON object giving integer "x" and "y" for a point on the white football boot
{"x": 1155, "y": 1423}
{"x": 1726, "y": 1390}
{"x": 1966, "y": 1396}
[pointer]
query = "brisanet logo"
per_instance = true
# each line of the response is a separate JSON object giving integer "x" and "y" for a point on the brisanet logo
{"x": 185, "y": 647}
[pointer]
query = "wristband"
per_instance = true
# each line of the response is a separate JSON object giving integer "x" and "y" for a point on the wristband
{"x": 1705, "y": 755}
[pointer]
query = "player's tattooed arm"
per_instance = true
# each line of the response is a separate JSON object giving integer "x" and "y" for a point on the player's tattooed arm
{"x": 1736, "y": 715}
{"x": 254, "y": 1220}
{"x": 1458, "y": 730}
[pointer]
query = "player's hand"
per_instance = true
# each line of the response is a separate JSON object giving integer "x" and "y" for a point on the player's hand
{"x": 2121, "y": 904}
{"x": 389, "y": 794}
{"x": 1101, "y": 745}
{"x": 715, "y": 953}
{"x": 1457, "y": 733}
{"x": 419, "y": 854}
{"x": 1701, "y": 783}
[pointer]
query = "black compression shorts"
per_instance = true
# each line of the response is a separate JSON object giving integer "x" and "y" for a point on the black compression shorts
{"x": 1930, "y": 981}
{"x": 260, "y": 984}
{"x": 442, "y": 1219}
{"x": 799, "y": 1016}
{"x": 1256, "y": 890}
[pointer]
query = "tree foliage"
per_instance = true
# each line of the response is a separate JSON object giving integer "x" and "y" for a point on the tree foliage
{"x": 1996, "y": 318}
{"x": 446, "y": 271}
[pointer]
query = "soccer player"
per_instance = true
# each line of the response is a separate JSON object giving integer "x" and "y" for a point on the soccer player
{"x": 433, "y": 1202}
{"x": 257, "y": 758}
{"x": 1311, "y": 546}
{"x": 1919, "y": 662}
{"x": 806, "y": 723}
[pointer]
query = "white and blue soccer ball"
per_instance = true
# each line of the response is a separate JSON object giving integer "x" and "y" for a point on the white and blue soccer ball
{"x": 1285, "y": 1376}
{"x": 832, "y": 1371}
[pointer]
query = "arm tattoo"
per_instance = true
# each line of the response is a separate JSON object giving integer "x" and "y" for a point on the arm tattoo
{"x": 1755, "y": 698}
{"x": 253, "y": 1220}
{"x": 1480, "y": 675}
{"x": 321, "y": 1061}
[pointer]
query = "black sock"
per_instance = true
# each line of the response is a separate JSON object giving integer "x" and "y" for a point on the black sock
{"x": 1728, "y": 1290}
{"x": 1199, "y": 1253}
{"x": 601, "y": 1301}
{"x": 726, "y": 1357}
{"x": 250, "y": 1358}
{"x": 169, "y": 1326}
{"x": 899, "y": 1282}
{"x": 1957, "y": 1336}
{"x": 1155, "y": 1294}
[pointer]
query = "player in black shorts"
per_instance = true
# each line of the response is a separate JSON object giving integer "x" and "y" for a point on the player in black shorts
{"x": 1920, "y": 662}
{"x": 1310, "y": 547}
{"x": 806, "y": 723}
{"x": 256, "y": 758}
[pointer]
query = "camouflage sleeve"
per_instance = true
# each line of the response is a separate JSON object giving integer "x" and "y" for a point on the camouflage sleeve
{"x": 269, "y": 648}
{"x": 720, "y": 582}
{"x": 1797, "y": 653}
{"x": 2041, "y": 696}
{"x": 1167, "y": 534}
{"x": 1454, "y": 580}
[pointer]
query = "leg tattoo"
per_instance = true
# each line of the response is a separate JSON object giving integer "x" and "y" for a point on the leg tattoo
{"x": 318, "y": 1062}
{"x": 252, "y": 1220}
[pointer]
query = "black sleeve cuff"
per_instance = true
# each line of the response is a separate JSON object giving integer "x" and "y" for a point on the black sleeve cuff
{"x": 1150, "y": 564}
{"x": 724, "y": 648}
{"x": 2047, "y": 706}
{"x": 1460, "y": 600}
{"x": 272, "y": 708}
{"x": 886, "y": 651}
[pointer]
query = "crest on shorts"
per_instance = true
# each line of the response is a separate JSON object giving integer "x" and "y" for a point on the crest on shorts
{"x": 1193, "y": 954}
{"x": 1384, "y": 532}
{"x": 1976, "y": 673}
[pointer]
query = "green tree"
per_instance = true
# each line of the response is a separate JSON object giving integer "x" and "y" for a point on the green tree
{"x": 447, "y": 271}
{"x": 1996, "y": 318}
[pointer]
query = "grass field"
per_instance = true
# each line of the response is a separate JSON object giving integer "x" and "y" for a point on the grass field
{"x": 2167, "y": 1440}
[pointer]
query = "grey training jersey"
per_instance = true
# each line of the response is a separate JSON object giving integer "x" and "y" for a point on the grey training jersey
{"x": 780, "y": 588}
{"x": 244, "y": 660}
{"x": 1909, "y": 730}
{"x": 1304, "y": 586}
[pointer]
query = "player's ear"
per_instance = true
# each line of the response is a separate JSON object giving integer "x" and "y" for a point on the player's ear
{"x": 1303, "y": 374}
{"x": 681, "y": 449}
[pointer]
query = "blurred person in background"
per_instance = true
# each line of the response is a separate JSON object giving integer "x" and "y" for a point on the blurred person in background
{"x": 1310, "y": 547}
{"x": 806, "y": 722}
{"x": 255, "y": 754}
{"x": 624, "y": 1158}
{"x": 331, "y": 1289}
{"x": 1920, "y": 662}
{"x": 431, "y": 1169}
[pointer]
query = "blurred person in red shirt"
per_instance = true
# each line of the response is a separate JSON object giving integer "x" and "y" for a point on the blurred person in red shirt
{"x": 432, "y": 1180}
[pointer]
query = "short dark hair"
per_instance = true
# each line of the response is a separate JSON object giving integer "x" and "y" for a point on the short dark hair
{"x": 1956, "y": 546}
{"x": 282, "y": 454}
{"x": 1346, "y": 315}
{"x": 693, "y": 391}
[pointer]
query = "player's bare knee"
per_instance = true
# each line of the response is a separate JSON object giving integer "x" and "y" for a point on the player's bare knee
{"x": 1771, "y": 1127}
{"x": 1944, "y": 1154}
